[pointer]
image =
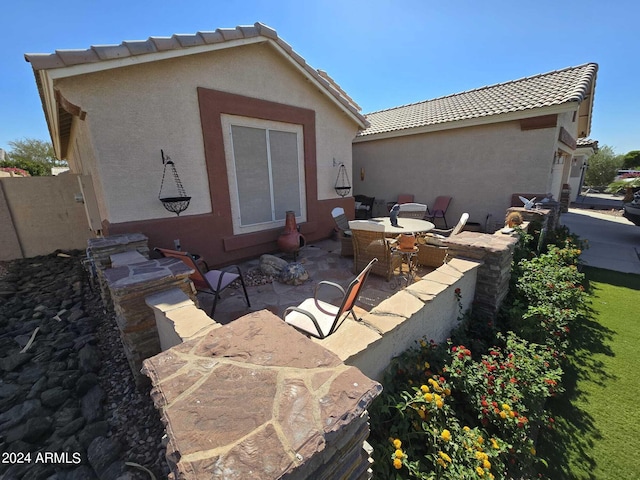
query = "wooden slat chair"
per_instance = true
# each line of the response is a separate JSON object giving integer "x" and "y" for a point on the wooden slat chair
{"x": 212, "y": 282}
{"x": 413, "y": 210}
{"x": 369, "y": 241}
{"x": 320, "y": 319}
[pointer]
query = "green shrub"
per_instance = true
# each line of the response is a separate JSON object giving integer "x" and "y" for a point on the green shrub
{"x": 472, "y": 408}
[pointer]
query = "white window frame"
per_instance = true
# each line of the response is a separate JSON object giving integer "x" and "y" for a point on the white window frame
{"x": 228, "y": 121}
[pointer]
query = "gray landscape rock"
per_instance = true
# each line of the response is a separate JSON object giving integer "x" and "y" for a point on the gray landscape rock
{"x": 102, "y": 452}
{"x": 86, "y": 382}
{"x": 84, "y": 395}
{"x": 92, "y": 431}
{"x": 20, "y": 412}
{"x": 272, "y": 265}
{"x": 13, "y": 361}
{"x": 37, "y": 428}
{"x": 91, "y": 404}
{"x": 89, "y": 358}
{"x": 54, "y": 397}
{"x": 293, "y": 274}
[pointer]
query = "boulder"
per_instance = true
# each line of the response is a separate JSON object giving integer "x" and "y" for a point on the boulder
{"x": 272, "y": 265}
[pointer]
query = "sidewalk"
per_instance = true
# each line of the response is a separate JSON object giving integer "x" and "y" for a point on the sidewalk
{"x": 614, "y": 242}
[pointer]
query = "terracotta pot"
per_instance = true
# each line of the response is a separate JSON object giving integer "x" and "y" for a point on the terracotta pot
{"x": 291, "y": 240}
{"x": 406, "y": 241}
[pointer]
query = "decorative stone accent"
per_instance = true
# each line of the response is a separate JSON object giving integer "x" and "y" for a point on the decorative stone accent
{"x": 294, "y": 274}
{"x": 128, "y": 287}
{"x": 255, "y": 399}
{"x": 496, "y": 253}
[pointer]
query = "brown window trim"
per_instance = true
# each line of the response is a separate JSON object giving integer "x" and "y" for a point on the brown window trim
{"x": 213, "y": 103}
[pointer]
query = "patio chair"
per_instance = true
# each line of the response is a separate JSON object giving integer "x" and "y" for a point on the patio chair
{"x": 432, "y": 249}
{"x": 436, "y": 235}
{"x": 413, "y": 210}
{"x": 320, "y": 319}
{"x": 369, "y": 242}
{"x": 364, "y": 206}
{"x": 212, "y": 282}
{"x": 404, "y": 198}
{"x": 440, "y": 209}
{"x": 344, "y": 234}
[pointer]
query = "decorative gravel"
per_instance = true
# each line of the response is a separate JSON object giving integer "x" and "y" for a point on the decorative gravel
{"x": 66, "y": 387}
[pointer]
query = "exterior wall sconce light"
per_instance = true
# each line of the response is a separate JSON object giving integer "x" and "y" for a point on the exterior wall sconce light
{"x": 343, "y": 185}
{"x": 179, "y": 201}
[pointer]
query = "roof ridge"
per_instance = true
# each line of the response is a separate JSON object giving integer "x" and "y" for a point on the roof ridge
{"x": 486, "y": 87}
{"x": 159, "y": 44}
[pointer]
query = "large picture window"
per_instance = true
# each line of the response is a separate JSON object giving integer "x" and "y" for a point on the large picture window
{"x": 265, "y": 165}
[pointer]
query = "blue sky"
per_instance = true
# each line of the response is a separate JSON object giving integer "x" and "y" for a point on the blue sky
{"x": 382, "y": 53}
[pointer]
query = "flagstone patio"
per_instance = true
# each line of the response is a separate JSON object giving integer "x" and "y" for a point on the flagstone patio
{"x": 323, "y": 262}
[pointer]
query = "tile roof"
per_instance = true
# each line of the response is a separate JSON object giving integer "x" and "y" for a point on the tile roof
{"x": 587, "y": 142}
{"x": 186, "y": 43}
{"x": 571, "y": 84}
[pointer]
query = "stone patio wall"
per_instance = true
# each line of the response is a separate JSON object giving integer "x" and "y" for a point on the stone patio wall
{"x": 100, "y": 250}
{"x": 495, "y": 252}
{"x": 211, "y": 384}
{"x": 128, "y": 286}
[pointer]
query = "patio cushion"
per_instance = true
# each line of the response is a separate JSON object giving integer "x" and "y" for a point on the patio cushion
{"x": 323, "y": 312}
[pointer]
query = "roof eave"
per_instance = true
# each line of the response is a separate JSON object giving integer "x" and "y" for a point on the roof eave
{"x": 53, "y": 74}
{"x": 50, "y": 108}
{"x": 470, "y": 122}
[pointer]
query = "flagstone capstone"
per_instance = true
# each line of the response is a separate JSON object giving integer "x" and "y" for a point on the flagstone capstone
{"x": 257, "y": 399}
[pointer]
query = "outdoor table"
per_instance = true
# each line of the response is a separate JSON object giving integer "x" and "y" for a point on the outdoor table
{"x": 405, "y": 225}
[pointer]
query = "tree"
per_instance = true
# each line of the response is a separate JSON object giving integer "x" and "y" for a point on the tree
{"x": 631, "y": 161}
{"x": 35, "y": 156}
{"x": 603, "y": 167}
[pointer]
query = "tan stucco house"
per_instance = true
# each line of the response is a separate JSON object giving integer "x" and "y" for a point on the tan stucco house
{"x": 210, "y": 101}
{"x": 481, "y": 146}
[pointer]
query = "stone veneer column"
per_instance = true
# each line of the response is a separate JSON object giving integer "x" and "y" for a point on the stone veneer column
{"x": 547, "y": 217}
{"x": 255, "y": 399}
{"x": 99, "y": 251}
{"x": 496, "y": 254}
{"x": 128, "y": 287}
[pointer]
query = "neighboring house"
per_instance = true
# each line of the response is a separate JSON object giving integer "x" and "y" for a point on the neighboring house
{"x": 253, "y": 130}
{"x": 480, "y": 146}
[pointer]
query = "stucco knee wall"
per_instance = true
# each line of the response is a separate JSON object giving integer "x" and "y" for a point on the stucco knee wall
{"x": 430, "y": 308}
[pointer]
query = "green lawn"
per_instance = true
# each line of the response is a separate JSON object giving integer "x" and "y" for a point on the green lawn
{"x": 597, "y": 419}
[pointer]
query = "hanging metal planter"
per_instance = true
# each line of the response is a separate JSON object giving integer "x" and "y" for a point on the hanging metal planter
{"x": 342, "y": 186}
{"x": 173, "y": 199}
